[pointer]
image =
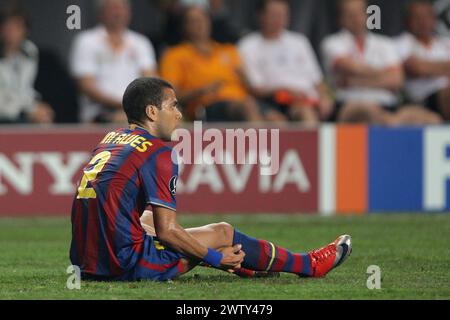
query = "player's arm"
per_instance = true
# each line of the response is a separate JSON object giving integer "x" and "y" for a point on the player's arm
{"x": 173, "y": 235}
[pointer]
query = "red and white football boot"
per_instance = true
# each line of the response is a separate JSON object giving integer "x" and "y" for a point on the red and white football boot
{"x": 325, "y": 259}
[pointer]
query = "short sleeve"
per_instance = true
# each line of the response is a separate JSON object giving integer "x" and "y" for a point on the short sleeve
{"x": 159, "y": 176}
{"x": 82, "y": 60}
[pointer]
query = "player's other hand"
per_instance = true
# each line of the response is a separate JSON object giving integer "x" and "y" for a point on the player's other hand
{"x": 232, "y": 257}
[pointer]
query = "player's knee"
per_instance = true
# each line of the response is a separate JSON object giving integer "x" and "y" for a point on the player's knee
{"x": 226, "y": 230}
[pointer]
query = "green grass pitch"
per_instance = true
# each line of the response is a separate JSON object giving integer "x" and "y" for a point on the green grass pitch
{"x": 413, "y": 252}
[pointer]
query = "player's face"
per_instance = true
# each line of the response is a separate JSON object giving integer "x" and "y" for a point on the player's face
{"x": 354, "y": 17}
{"x": 421, "y": 20}
{"x": 169, "y": 116}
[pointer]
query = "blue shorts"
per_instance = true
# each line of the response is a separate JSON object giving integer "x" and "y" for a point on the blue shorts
{"x": 157, "y": 263}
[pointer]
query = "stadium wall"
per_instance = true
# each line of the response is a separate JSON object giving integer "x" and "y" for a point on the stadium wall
{"x": 333, "y": 169}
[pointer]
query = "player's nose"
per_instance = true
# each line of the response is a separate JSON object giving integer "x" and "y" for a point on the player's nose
{"x": 179, "y": 115}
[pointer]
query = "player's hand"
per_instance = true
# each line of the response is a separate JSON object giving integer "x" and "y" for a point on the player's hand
{"x": 232, "y": 257}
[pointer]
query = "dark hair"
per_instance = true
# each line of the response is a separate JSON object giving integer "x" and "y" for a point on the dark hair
{"x": 262, "y": 4}
{"x": 14, "y": 10}
{"x": 143, "y": 92}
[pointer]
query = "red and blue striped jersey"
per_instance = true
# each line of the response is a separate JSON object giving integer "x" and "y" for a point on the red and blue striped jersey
{"x": 129, "y": 170}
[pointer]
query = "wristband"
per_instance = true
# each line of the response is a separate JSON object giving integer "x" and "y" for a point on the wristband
{"x": 213, "y": 257}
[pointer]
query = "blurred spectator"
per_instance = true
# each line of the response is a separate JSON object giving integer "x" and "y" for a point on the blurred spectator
{"x": 282, "y": 69}
{"x": 18, "y": 68}
{"x": 207, "y": 74}
{"x": 364, "y": 67}
{"x": 106, "y": 59}
{"x": 222, "y": 26}
{"x": 426, "y": 59}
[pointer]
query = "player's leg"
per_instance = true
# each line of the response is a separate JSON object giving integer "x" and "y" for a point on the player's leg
{"x": 159, "y": 263}
{"x": 266, "y": 256}
{"x": 219, "y": 236}
{"x": 262, "y": 255}
{"x": 208, "y": 236}
{"x": 147, "y": 223}
{"x": 213, "y": 235}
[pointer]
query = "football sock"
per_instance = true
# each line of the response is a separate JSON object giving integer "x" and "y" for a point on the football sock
{"x": 262, "y": 255}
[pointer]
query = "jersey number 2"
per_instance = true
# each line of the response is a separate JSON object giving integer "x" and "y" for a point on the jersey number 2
{"x": 98, "y": 163}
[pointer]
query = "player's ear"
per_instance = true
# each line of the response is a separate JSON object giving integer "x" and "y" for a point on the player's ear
{"x": 152, "y": 112}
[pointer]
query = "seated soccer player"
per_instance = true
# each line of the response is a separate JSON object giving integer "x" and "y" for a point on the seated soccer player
{"x": 131, "y": 169}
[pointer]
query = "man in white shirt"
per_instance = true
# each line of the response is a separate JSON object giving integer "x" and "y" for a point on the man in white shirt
{"x": 426, "y": 60}
{"x": 364, "y": 68}
{"x": 106, "y": 59}
{"x": 282, "y": 69}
